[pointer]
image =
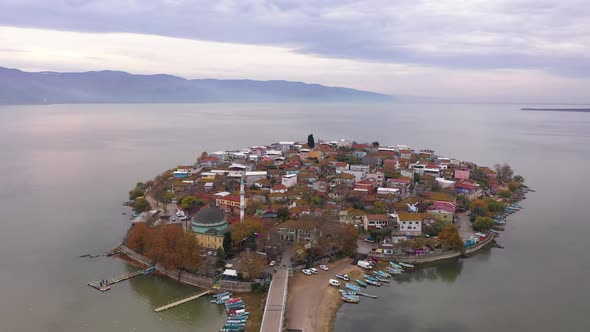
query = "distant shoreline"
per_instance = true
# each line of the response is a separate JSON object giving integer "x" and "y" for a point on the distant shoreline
{"x": 582, "y": 110}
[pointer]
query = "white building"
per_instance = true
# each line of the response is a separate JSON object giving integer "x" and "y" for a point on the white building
{"x": 289, "y": 180}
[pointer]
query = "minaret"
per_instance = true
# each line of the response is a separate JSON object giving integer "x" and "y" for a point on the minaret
{"x": 242, "y": 198}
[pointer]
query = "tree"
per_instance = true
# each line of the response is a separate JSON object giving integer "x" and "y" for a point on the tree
{"x": 434, "y": 230}
{"x": 462, "y": 203}
{"x": 252, "y": 266}
{"x": 436, "y": 186}
{"x": 416, "y": 177}
{"x": 135, "y": 193}
{"x": 506, "y": 194}
{"x": 190, "y": 202}
{"x": 227, "y": 243}
{"x": 283, "y": 213}
{"x": 347, "y": 239}
{"x": 449, "y": 237}
{"x": 518, "y": 178}
{"x": 141, "y": 205}
{"x": 245, "y": 229}
{"x": 138, "y": 237}
{"x": 478, "y": 211}
{"x": 514, "y": 186}
{"x": 483, "y": 223}
{"x": 317, "y": 201}
{"x": 375, "y": 144}
{"x": 310, "y": 141}
{"x": 190, "y": 252}
{"x": 504, "y": 173}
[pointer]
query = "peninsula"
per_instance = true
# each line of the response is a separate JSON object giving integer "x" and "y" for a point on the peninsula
{"x": 279, "y": 224}
{"x": 557, "y": 109}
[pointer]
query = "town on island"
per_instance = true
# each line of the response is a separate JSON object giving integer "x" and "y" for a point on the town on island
{"x": 283, "y": 234}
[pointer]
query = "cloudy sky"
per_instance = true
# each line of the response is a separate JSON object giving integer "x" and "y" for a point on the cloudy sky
{"x": 470, "y": 50}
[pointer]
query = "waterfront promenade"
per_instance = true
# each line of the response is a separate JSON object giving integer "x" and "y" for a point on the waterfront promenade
{"x": 276, "y": 301}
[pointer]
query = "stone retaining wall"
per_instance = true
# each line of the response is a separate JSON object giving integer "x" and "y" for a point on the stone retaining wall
{"x": 186, "y": 277}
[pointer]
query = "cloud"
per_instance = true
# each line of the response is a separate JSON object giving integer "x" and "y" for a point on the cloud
{"x": 547, "y": 35}
{"x": 41, "y": 49}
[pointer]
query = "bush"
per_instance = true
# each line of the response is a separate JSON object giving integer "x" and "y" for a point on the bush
{"x": 505, "y": 194}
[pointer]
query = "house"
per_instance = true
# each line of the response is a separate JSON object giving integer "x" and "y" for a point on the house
{"x": 379, "y": 178}
{"x": 209, "y": 161}
{"x": 376, "y": 221}
{"x": 345, "y": 179}
{"x": 391, "y": 164}
{"x": 366, "y": 184}
{"x": 358, "y": 175}
{"x": 253, "y": 176}
{"x": 353, "y": 216}
{"x": 444, "y": 183}
{"x": 469, "y": 189}
{"x": 442, "y": 211}
{"x": 410, "y": 223}
{"x": 341, "y": 166}
{"x": 321, "y": 186}
{"x": 403, "y": 184}
{"x": 405, "y": 153}
{"x": 278, "y": 188}
{"x": 304, "y": 154}
{"x": 462, "y": 173}
{"x": 298, "y": 231}
{"x": 180, "y": 173}
{"x": 229, "y": 204}
{"x": 371, "y": 160}
{"x": 289, "y": 180}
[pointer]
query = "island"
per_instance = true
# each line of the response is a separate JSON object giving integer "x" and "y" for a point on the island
{"x": 295, "y": 229}
{"x": 583, "y": 110}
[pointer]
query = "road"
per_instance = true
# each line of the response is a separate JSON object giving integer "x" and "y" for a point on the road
{"x": 464, "y": 225}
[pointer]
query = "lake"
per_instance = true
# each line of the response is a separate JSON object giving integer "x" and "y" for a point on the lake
{"x": 66, "y": 169}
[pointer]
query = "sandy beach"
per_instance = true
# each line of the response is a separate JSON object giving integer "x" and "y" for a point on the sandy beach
{"x": 312, "y": 303}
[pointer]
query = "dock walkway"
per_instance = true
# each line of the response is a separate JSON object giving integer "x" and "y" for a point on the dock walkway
{"x": 179, "y": 302}
{"x": 105, "y": 285}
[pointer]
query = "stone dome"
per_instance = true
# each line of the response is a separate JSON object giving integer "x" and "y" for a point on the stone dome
{"x": 209, "y": 216}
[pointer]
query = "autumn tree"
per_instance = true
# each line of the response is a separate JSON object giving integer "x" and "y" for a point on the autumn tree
{"x": 138, "y": 237}
{"x": 188, "y": 203}
{"x": 347, "y": 239}
{"x": 190, "y": 252}
{"x": 242, "y": 230}
{"x": 463, "y": 203}
{"x": 251, "y": 266}
{"x": 449, "y": 237}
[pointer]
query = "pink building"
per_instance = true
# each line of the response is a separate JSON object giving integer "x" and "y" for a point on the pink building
{"x": 461, "y": 173}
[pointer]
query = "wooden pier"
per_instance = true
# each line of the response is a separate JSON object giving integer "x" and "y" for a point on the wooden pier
{"x": 179, "y": 302}
{"x": 105, "y": 285}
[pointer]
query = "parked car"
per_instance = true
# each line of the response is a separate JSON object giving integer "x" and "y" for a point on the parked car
{"x": 342, "y": 276}
{"x": 313, "y": 270}
{"x": 480, "y": 234}
{"x": 334, "y": 282}
{"x": 324, "y": 267}
{"x": 306, "y": 272}
{"x": 272, "y": 263}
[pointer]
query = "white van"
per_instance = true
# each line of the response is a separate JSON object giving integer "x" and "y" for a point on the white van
{"x": 334, "y": 282}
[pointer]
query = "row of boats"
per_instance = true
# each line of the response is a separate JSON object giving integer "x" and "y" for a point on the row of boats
{"x": 500, "y": 218}
{"x": 236, "y": 312}
{"x": 374, "y": 278}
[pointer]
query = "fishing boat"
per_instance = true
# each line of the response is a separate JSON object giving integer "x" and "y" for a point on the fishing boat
{"x": 235, "y": 299}
{"x": 223, "y": 294}
{"x": 361, "y": 283}
{"x": 393, "y": 271}
{"x": 383, "y": 274}
{"x": 382, "y": 279}
{"x": 350, "y": 298}
{"x": 370, "y": 277}
{"x": 493, "y": 231}
{"x": 406, "y": 265}
{"x": 396, "y": 266}
{"x": 373, "y": 282}
{"x": 352, "y": 287}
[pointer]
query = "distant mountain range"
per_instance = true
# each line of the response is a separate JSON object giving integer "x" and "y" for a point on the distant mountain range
{"x": 19, "y": 87}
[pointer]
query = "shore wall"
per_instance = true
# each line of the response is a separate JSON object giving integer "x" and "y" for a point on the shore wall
{"x": 186, "y": 277}
{"x": 433, "y": 257}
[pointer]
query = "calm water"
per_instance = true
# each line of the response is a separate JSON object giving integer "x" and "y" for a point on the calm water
{"x": 65, "y": 169}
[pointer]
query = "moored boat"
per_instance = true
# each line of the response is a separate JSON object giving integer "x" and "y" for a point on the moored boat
{"x": 406, "y": 265}
{"x": 373, "y": 282}
{"x": 352, "y": 287}
{"x": 361, "y": 283}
